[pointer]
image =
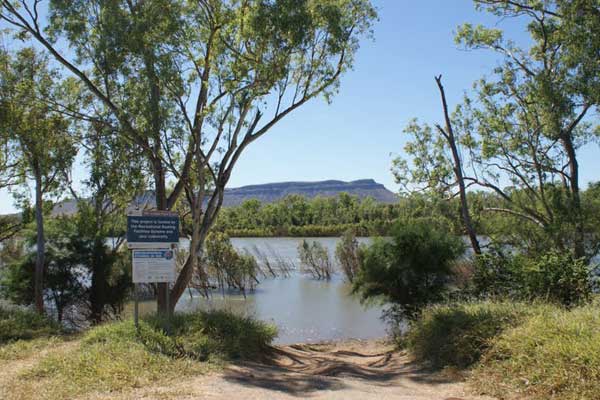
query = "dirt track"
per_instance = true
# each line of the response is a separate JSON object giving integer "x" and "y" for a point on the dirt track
{"x": 353, "y": 370}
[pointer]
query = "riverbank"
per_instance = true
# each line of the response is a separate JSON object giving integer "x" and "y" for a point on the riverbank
{"x": 506, "y": 349}
{"x": 353, "y": 370}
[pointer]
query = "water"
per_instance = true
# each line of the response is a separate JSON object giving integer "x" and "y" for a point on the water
{"x": 304, "y": 310}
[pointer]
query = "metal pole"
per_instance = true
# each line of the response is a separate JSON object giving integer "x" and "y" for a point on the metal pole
{"x": 136, "y": 307}
{"x": 168, "y": 313}
{"x": 167, "y": 298}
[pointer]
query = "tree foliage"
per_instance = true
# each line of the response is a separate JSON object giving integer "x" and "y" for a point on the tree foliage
{"x": 193, "y": 84}
{"x": 295, "y": 215}
{"x": 72, "y": 257}
{"x": 348, "y": 253}
{"x": 315, "y": 260}
{"x": 519, "y": 134}
{"x": 40, "y": 140}
{"x": 411, "y": 269}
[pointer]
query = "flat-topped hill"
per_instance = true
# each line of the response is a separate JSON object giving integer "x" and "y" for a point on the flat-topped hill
{"x": 271, "y": 192}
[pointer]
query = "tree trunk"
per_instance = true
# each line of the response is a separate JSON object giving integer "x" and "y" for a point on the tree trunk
{"x": 464, "y": 205}
{"x": 40, "y": 245}
{"x": 161, "y": 204}
{"x": 579, "y": 240}
{"x": 97, "y": 289}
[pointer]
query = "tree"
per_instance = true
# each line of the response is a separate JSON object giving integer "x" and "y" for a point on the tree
{"x": 73, "y": 258}
{"x": 521, "y": 131}
{"x": 193, "y": 84}
{"x": 412, "y": 269}
{"x": 438, "y": 164}
{"x": 115, "y": 179}
{"x": 348, "y": 253}
{"x": 315, "y": 259}
{"x": 40, "y": 140}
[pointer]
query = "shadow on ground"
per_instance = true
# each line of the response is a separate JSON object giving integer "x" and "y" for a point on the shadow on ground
{"x": 300, "y": 370}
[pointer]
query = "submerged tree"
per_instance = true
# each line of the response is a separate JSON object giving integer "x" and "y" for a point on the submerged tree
{"x": 348, "y": 254}
{"x": 193, "y": 84}
{"x": 315, "y": 259}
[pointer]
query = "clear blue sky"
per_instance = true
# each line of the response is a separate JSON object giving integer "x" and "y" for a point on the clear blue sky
{"x": 357, "y": 135}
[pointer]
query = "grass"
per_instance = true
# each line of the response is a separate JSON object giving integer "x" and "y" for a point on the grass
{"x": 514, "y": 350}
{"x": 116, "y": 357}
{"x": 22, "y": 324}
{"x": 22, "y": 349}
{"x": 552, "y": 355}
{"x": 456, "y": 335}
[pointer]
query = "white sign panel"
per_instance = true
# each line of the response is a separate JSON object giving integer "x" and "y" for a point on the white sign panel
{"x": 150, "y": 266}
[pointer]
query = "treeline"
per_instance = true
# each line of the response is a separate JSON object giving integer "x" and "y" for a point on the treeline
{"x": 296, "y": 215}
{"x": 491, "y": 217}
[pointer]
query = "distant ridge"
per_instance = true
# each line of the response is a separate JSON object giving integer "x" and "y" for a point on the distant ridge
{"x": 272, "y": 192}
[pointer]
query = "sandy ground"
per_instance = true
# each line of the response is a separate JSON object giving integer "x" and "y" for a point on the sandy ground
{"x": 352, "y": 370}
{"x": 355, "y": 370}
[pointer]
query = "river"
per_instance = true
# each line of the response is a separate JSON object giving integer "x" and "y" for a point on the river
{"x": 303, "y": 309}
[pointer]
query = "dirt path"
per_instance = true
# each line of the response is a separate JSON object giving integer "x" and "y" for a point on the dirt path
{"x": 355, "y": 370}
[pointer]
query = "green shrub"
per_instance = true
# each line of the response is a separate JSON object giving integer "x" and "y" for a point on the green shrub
{"x": 21, "y": 324}
{"x": 557, "y": 277}
{"x": 219, "y": 333}
{"x": 458, "y": 334}
{"x": 554, "y": 276}
{"x": 553, "y": 354}
{"x": 410, "y": 270}
{"x": 229, "y": 267}
{"x": 314, "y": 258}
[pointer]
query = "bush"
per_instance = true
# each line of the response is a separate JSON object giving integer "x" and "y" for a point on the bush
{"x": 22, "y": 324}
{"x": 231, "y": 269}
{"x": 553, "y": 354}
{"x": 315, "y": 259}
{"x": 558, "y": 277}
{"x": 553, "y": 276}
{"x": 458, "y": 334}
{"x": 412, "y": 269}
{"x": 84, "y": 279}
{"x": 348, "y": 253}
{"x": 216, "y": 333}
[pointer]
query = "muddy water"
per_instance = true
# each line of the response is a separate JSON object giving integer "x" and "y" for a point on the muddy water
{"x": 304, "y": 309}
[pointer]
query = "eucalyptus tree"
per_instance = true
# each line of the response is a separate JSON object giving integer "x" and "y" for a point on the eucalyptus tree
{"x": 521, "y": 130}
{"x": 115, "y": 178}
{"x": 40, "y": 140}
{"x": 192, "y": 84}
{"x": 438, "y": 164}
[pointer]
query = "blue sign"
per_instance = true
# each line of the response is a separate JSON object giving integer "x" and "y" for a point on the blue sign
{"x": 144, "y": 230}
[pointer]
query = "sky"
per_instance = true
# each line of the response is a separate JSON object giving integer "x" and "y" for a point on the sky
{"x": 360, "y": 132}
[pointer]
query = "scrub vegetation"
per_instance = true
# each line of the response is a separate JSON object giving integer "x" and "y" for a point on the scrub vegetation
{"x": 117, "y": 357}
{"x": 538, "y": 351}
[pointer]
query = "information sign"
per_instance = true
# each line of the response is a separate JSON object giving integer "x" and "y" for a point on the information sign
{"x": 151, "y": 266}
{"x": 152, "y": 230}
